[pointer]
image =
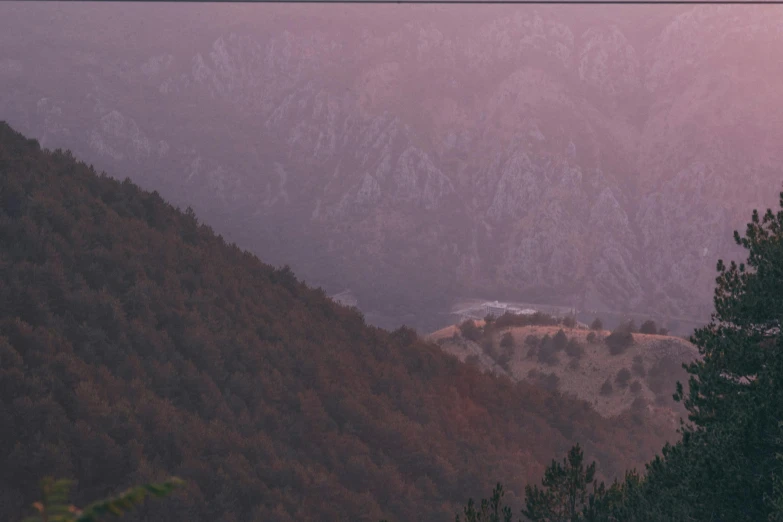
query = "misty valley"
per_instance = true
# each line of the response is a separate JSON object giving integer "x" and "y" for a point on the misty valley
{"x": 391, "y": 263}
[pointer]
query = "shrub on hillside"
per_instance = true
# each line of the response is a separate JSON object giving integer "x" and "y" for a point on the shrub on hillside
{"x": 507, "y": 341}
{"x": 622, "y": 377}
{"x": 548, "y": 356}
{"x": 504, "y": 361}
{"x": 509, "y": 320}
{"x": 488, "y": 345}
{"x": 606, "y": 388}
{"x": 405, "y": 335}
{"x": 569, "y": 322}
{"x": 547, "y": 353}
{"x": 506, "y": 351}
{"x": 550, "y": 382}
{"x": 574, "y": 348}
{"x": 469, "y": 330}
{"x": 619, "y": 341}
{"x": 560, "y": 340}
{"x": 597, "y": 324}
{"x": 591, "y": 337}
{"x": 649, "y": 327}
{"x": 489, "y": 320}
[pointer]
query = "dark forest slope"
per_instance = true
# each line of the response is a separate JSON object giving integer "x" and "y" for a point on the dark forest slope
{"x": 135, "y": 343}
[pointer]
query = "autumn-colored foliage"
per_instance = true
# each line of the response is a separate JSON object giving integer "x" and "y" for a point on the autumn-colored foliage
{"x": 135, "y": 344}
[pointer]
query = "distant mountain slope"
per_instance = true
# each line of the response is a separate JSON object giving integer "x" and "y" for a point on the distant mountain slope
{"x": 593, "y": 156}
{"x": 136, "y": 343}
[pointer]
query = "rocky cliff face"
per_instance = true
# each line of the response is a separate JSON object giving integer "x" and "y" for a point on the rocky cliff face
{"x": 584, "y": 157}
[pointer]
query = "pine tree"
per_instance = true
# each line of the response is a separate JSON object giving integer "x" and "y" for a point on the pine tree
{"x": 491, "y": 510}
{"x": 565, "y": 490}
{"x": 735, "y": 396}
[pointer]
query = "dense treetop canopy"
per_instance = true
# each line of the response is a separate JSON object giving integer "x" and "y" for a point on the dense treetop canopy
{"x": 136, "y": 344}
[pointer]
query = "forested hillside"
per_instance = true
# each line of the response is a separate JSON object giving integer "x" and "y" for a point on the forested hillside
{"x": 137, "y": 344}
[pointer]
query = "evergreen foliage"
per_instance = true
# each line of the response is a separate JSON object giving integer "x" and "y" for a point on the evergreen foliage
{"x": 727, "y": 463}
{"x": 619, "y": 341}
{"x": 649, "y": 327}
{"x": 564, "y": 491}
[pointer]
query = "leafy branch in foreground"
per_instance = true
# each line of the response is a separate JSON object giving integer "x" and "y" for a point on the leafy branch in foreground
{"x": 54, "y": 506}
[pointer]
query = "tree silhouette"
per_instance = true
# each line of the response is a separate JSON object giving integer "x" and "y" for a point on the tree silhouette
{"x": 564, "y": 490}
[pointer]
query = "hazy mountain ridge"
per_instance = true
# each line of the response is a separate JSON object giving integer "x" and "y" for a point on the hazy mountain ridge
{"x": 533, "y": 152}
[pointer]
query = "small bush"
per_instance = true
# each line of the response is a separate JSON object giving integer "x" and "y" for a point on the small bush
{"x": 649, "y": 327}
{"x": 597, "y": 324}
{"x": 619, "y": 341}
{"x": 532, "y": 340}
{"x": 569, "y": 322}
{"x": 469, "y": 330}
{"x": 547, "y": 353}
{"x": 507, "y": 341}
{"x": 550, "y": 382}
{"x": 622, "y": 377}
{"x": 489, "y": 347}
{"x": 548, "y": 356}
{"x": 404, "y": 335}
{"x": 560, "y": 340}
{"x": 542, "y": 319}
{"x": 574, "y": 349}
{"x": 606, "y": 388}
{"x": 508, "y": 320}
{"x": 591, "y": 337}
{"x": 506, "y": 351}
